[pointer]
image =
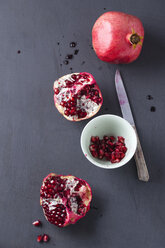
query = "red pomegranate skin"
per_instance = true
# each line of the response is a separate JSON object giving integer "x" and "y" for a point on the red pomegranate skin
{"x": 111, "y": 37}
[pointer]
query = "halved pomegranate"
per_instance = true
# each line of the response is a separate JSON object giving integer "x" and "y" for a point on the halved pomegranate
{"x": 64, "y": 199}
{"x": 77, "y": 96}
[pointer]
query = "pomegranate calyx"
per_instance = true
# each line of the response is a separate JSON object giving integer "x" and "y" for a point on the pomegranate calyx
{"x": 135, "y": 39}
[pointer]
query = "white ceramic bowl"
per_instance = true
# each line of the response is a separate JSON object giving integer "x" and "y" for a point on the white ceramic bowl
{"x": 111, "y": 125}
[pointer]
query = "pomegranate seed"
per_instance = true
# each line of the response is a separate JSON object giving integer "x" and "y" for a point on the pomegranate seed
{"x": 112, "y": 138}
{"x": 45, "y": 238}
{"x": 110, "y": 143}
{"x": 66, "y": 112}
{"x": 120, "y": 139}
{"x": 113, "y": 156}
{"x": 103, "y": 146}
{"x": 74, "y": 76}
{"x": 94, "y": 154}
{"x": 81, "y": 114}
{"x": 107, "y": 148}
{"x": 100, "y": 157}
{"x": 122, "y": 155}
{"x": 36, "y": 223}
{"x": 96, "y": 93}
{"x": 117, "y": 154}
{"x": 124, "y": 149}
{"x": 56, "y": 91}
{"x": 92, "y": 147}
{"x": 62, "y": 104}
{"x": 39, "y": 238}
{"x": 115, "y": 160}
{"x": 101, "y": 152}
{"x": 95, "y": 139}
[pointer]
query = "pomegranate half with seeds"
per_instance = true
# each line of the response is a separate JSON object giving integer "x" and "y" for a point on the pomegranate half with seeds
{"x": 77, "y": 96}
{"x": 64, "y": 199}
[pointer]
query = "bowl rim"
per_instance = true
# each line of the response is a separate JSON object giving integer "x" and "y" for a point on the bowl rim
{"x": 115, "y": 165}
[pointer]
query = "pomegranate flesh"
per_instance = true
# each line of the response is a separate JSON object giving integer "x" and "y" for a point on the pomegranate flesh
{"x": 64, "y": 199}
{"x": 77, "y": 96}
{"x": 109, "y": 148}
{"x": 117, "y": 37}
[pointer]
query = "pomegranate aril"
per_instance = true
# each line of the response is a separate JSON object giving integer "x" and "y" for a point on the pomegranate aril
{"x": 74, "y": 77}
{"x": 93, "y": 147}
{"x": 124, "y": 149}
{"x": 120, "y": 139}
{"x": 45, "y": 238}
{"x": 69, "y": 83}
{"x": 66, "y": 112}
{"x": 106, "y": 137}
{"x": 39, "y": 238}
{"x": 112, "y": 138}
{"x": 98, "y": 100}
{"x": 61, "y": 187}
{"x": 56, "y": 91}
{"x": 94, "y": 154}
{"x": 81, "y": 113}
{"x": 110, "y": 143}
{"x": 37, "y": 223}
{"x": 117, "y": 160}
{"x": 95, "y": 139}
{"x": 107, "y": 148}
{"x": 113, "y": 156}
{"x": 117, "y": 155}
{"x": 81, "y": 183}
{"x": 63, "y": 103}
{"x": 122, "y": 155}
{"x": 101, "y": 152}
{"x": 96, "y": 93}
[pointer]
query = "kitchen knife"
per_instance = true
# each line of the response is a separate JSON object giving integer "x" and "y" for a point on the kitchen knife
{"x": 142, "y": 170}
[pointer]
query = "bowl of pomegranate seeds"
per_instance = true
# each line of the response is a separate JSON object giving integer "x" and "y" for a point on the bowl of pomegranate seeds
{"x": 108, "y": 141}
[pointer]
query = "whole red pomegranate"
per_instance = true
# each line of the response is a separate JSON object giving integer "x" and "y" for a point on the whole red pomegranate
{"x": 77, "y": 96}
{"x": 117, "y": 37}
{"x": 64, "y": 199}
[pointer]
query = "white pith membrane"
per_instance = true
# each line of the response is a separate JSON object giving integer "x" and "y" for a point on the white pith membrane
{"x": 50, "y": 205}
{"x": 65, "y": 93}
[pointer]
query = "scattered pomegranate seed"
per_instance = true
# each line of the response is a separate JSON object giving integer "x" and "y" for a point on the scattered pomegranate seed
{"x": 37, "y": 223}
{"x": 109, "y": 148}
{"x": 45, "y": 238}
{"x": 39, "y": 238}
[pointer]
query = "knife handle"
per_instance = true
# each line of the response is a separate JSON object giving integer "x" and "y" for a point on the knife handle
{"x": 142, "y": 170}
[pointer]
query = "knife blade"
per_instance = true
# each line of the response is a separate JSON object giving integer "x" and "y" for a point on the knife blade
{"x": 142, "y": 170}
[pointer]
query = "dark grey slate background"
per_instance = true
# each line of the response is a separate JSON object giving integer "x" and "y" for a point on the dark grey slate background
{"x": 36, "y": 140}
